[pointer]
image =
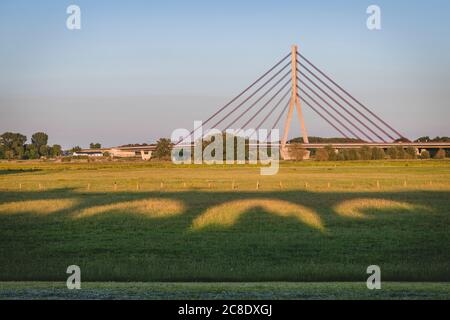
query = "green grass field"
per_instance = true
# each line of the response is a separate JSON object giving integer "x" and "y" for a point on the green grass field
{"x": 155, "y": 222}
{"x": 225, "y": 291}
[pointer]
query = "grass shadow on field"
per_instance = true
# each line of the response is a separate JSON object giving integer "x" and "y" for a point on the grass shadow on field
{"x": 16, "y": 171}
{"x": 125, "y": 239}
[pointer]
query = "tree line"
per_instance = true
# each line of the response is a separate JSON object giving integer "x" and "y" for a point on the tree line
{"x": 14, "y": 146}
{"x": 367, "y": 153}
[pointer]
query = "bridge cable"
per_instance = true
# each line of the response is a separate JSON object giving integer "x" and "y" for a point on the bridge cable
{"x": 237, "y": 97}
{"x": 337, "y": 94}
{"x": 328, "y": 112}
{"x": 322, "y": 116}
{"x": 259, "y": 99}
{"x": 273, "y": 109}
{"x": 354, "y": 99}
{"x": 279, "y": 118}
{"x": 249, "y": 97}
{"x": 342, "y": 107}
{"x": 264, "y": 106}
{"x": 304, "y": 84}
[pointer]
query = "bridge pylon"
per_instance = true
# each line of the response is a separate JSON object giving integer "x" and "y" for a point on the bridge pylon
{"x": 293, "y": 82}
{"x": 294, "y": 102}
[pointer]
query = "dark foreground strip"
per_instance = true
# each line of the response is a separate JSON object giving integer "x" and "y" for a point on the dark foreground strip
{"x": 230, "y": 309}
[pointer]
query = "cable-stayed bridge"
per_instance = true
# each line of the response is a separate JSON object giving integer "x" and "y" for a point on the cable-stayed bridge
{"x": 289, "y": 85}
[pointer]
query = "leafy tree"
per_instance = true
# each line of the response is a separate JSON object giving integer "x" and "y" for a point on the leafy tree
{"x": 2, "y": 152}
{"x": 44, "y": 151}
{"x": 378, "y": 154}
{"x": 39, "y": 139}
{"x": 327, "y": 140}
{"x": 425, "y": 154}
{"x": 322, "y": 155}
{"x": 365, "y": 153}
{"x": 402, "y": 139}
{"x": 93, "y": 145}
{"x": 353, "y": 154}
{"x": 13, "y": 144}
{"x": 9, "y": 154}
{"x": 297, "y": 151}
{"x": 400, "y": 153}
{"x": 31, "y": 152}
{"x": 436, "y": 139}
{"x": 441, "y": 139}
{"x": 332, "y": 154}
{"x": 340, "y": 156}
{"x": 9, "y": 140}
{"x": 56, "y": 150}
{"x": 163, "y": 149}
{"x": 423, "y": 139}
{"x": 392, "y": 153}
{"x": 345, "y": 154}
{"x": 440, "y": 154}
{"x": 410, "y": 153}
{"x": 76, "y": 149}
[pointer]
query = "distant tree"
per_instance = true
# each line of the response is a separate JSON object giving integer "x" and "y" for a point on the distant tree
{"x": 96, "y": 145}
{"x": 13, "y": 145}
{"x": 163, "y": 149}
{"x": 378, "y": 154}
{"x": 332, "y": 154}
{"x": 354, "y": 154}
{"x": 425, "y": 154}
{"x": 76, "y": 149}
{"x": 340, "y": 156}
{"x": 9, "y": 154}
{"x": 392, "y": 153}
{"x": 322, "y": 155}
{"x": 39, "y": 139}
{"x": 327, "y": 140}
{"x": 365, "y": 153}
{"x": 436, "y": 139}
{"x": 9, "y": 140}
{"x": 402, "y": 140}
{"x": 441, "y": 139}
{"x": 410, "y": 153}
{"x": 345, "y": 154}
{"x": 423, "y": 139}
{"x": 400, "y": 153}
{"x": 440, "y": 154}
{"x": 55, "y": 150}
{"x": 2, "y": 152}
{"x": 44, "y": 151}
{"x": 296, "y": 151}
{"x": 31, "y": 152}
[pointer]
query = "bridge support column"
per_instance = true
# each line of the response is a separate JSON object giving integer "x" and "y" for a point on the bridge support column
{"x": 295, "y": 101}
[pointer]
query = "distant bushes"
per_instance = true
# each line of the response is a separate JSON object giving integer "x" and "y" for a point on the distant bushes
{"x": 425, "y": 154}
{"x": 440, "y": 154}
{"x": 367, "y": 153}
{"x": 322, "y": 155}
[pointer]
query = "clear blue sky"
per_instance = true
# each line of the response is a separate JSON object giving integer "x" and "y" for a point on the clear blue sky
{"x": 139, "y": 69}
